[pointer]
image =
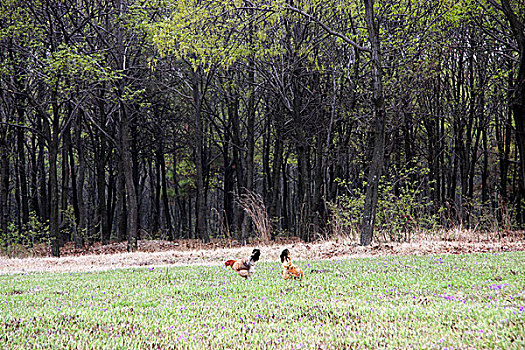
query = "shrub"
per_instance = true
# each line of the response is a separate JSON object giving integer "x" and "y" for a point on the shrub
{"x": 402, "y": 208}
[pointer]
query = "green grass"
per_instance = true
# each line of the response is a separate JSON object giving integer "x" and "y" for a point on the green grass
{"x": 433, "y": 302}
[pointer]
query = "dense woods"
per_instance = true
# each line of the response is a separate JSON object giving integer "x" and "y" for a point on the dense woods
{"x": 125, "y": 120}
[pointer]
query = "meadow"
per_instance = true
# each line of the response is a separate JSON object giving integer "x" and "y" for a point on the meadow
{"x": 468, "y": 301}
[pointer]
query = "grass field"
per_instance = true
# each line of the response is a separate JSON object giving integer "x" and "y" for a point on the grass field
{"x": 434, "y": 302}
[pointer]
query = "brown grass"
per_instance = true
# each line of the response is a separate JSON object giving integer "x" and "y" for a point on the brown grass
{"x": 253, "y": 205}
{"x": 190, "y": 252}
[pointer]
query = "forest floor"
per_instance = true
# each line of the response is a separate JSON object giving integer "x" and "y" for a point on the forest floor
{"x": 156, "y": 253}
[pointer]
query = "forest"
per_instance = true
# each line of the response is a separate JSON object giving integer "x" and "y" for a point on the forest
{"x": 166, "y": 119}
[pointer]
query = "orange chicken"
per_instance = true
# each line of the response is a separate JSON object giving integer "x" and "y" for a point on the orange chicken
{"x": 289, "y": 269}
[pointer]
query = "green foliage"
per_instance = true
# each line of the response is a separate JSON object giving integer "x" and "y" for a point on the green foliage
{"x": 17, "y": 243}
{"x": 454, "y": 301}
{"x": 18, "y": 21}
{"x": 18, "y": 27}
{"x": 186, "y": 174}
{"x": 37, "y": 230}
{"x": 70, "y": 229}
{"x": 70, "y": 66}
{"x": 347, "y": 211}
{"x": 402, "y": 207}
{"x": 216, "y": 32}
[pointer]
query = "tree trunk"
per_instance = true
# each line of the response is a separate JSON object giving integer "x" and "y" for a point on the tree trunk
{"x": 287, "y": 224}
{"x": 518, "y": 92}
{"x": 503, "y": 131}
{"x": 101, "y": 191}
{"x": 485, "y": 170}
{"x": 318, "y": 211}
{"x": 43, "y": 196}
{"x": 65, "y": 172}
{"x": 35, "y": 197}
{"x": 81, "y": 226}
{"x": 74, "y": 189}
{"x": 137, "y": 178}
{"x": 155, "y": 203}
{"x": 165, "y": 200}
{"x": 201, "y": 225}
{"x": 183, "y": 222}
{"x": 303, "y": 190}
{"x": 276, "y": 178}
{"x": 4, "y": 185}
{"x": 121, "y": 207}
{"x": 54, "y": 227}
{"x": 110, "y": 200}
{"x": 376, "y": 167}
{"x": 17, "y": 198}
{"x": 250, "y": 141}
{"x": 127, "y": 168}
{"x": 22, "y": 172}
{"x": 238, "y": 160}
{"x": 228, "y": 186}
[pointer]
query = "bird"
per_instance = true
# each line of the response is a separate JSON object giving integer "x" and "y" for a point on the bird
{"x": 245, "y": 267}
{"x": 289, "y": 269}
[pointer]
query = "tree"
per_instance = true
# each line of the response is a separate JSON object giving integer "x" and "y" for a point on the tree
{"x": 376, "y": 167}
{"x": 517, "y": 101}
